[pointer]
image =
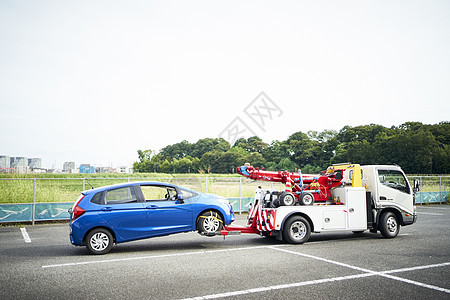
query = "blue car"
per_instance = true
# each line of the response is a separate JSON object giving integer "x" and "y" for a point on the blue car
{"x": 138, "y": 210}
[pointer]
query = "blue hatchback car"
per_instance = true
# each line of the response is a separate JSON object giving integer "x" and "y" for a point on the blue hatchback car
{"x": 138, "y": 210}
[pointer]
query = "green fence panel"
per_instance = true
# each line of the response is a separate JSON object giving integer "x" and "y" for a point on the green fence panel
{"x": 240, "y": 204}
{"x": 431, "y": 197}
{"x": 59, "y": 211}
{"x": 16, "y": 212}
{"x": 52, "y": 211}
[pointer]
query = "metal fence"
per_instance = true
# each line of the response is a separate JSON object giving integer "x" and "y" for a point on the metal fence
{"x": 43, "y": 199}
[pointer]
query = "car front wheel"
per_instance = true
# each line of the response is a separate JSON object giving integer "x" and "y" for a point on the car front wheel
{"x": 209, "y": 222}
{"x": 99, "y": 241}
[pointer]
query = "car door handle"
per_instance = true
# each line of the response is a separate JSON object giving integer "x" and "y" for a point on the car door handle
{"x": 152, "y": 207}
{"x": 107, "y": 209}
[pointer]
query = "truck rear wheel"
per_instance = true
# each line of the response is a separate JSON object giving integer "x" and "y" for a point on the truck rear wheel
{"x": 297, "y": 230}
{"x": 389, "y": 225}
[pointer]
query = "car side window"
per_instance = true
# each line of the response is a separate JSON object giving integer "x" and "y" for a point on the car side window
{"x": 393, "y": 179}
{"x": 98, "y": 198}
{"x": 158, "y": 193}
{"x": 187, "y": 194}
{"x": 120, "y": 196}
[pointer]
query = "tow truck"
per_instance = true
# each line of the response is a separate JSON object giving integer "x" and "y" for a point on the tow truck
{"x": 346, "y": 197}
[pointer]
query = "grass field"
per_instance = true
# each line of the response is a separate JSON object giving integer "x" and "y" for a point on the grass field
{"x": 18, "y": 188}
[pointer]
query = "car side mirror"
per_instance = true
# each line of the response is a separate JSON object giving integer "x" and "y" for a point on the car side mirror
{"x": 180, "y": 199}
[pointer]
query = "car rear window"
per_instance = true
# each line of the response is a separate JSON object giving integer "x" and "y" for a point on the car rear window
{"x": 120, "y": 195}
{"x": 97, "y": 199}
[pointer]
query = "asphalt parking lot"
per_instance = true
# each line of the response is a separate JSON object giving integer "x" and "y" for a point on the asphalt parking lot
{"x": 39, "y": 262}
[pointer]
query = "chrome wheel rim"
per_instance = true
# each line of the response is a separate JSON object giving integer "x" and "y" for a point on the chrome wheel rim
{"x": 298, "y": 230}
{"x": 99, "y": 241}
{"x": 307, "y": 199}
{"x": 211, "y": 223}
{"x": 289, "y": 200}
{"x": 392, "y": 224}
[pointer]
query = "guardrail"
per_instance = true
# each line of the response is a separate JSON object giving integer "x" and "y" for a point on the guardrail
{"x": 238, "y": 190}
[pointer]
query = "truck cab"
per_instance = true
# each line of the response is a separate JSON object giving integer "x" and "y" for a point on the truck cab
{"x": 390, "y": 191}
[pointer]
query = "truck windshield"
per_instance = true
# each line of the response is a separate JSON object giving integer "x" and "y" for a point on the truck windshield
{"x": 394, "y": 179}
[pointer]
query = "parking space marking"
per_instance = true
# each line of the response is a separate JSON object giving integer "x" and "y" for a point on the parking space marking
{"x": 279, "y": 287}
{"x": 383, "y": 274}
{"x": 433, "y": 214}
{"x": 153, "y": 257}
{"x": 366, "y": 273}
{"x": 25, "y": 235}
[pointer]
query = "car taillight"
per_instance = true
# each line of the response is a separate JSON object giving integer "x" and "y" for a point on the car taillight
{"x": 76, "y": 210}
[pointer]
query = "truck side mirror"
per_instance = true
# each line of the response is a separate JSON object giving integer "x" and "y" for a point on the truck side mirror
{"x": 416, "y": 185}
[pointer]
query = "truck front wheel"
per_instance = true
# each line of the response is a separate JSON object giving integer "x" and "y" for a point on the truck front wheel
{"x": 389, "y": 225}
{"x": 297, "y": 230}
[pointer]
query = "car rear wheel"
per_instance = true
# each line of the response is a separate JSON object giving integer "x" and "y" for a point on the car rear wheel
{"x": 99, "y": 241}
{"x": 209, "y": 222}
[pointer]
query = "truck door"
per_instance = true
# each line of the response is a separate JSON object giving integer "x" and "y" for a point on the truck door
{"x": 394, "y": 188}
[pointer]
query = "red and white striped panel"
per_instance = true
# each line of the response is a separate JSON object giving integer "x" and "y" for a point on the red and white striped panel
{"x": 266, "y": 220}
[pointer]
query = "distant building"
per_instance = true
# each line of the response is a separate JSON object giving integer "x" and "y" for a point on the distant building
{"x": 124, "y": 170}
{"x": 19, "y": 161}
{"x": 35, "y": 163}
{"x": 87, "y": 169}
{"x": 69, "y": 167}
{"x": 104, "y": 170}
{"x": 5, "y": 164}
{"x": 5, "y": 161}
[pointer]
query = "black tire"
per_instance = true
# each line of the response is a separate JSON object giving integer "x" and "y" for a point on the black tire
{"x": 306, "y": 199}
{"x": 389, "y": 225}
{"x": 287, "y": 199}
{"x": 209, "y": 222}
{"x": 99, "y": 241}
{"x": 296, "y": 230}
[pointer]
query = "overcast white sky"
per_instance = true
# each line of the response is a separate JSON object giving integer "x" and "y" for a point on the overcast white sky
{"x": 94, "y": 81}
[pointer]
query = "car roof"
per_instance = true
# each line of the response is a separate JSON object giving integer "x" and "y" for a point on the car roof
{"x": 125, "y": 184}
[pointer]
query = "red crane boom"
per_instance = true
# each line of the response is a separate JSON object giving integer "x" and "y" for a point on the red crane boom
{"x": 303, "y": 188}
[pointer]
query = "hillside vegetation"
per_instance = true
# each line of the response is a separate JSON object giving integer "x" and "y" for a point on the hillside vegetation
{"x": 417, "y": 148}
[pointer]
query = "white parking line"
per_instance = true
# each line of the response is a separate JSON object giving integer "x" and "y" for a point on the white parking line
{"x": 279, "y": 287}
{"x": 433, "y": 207}
{"x": 366, "y": 273}
{"x": 153, "y": 257}
{"x": 383, "y": 274}
{"x": 433, "y": 214}
{"x": 25, "y": 235}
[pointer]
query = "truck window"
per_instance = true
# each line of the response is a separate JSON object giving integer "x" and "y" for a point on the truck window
{"x": 394, "y": 179}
